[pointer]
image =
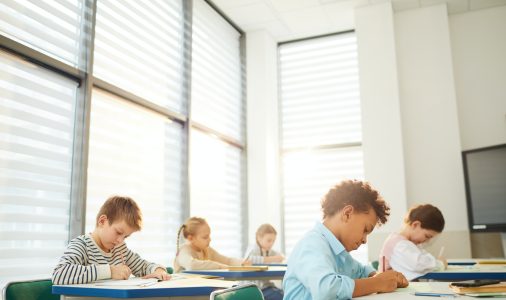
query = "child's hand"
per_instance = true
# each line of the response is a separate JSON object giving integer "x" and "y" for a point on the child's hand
{"x": 120, "y": 271}
{"x": 246, "y": 262}
{"x": 389, "y": 280}
{"x": 159, "y": 273}
{"x": 444, "y": 261}
{"x": 274, "y": 259}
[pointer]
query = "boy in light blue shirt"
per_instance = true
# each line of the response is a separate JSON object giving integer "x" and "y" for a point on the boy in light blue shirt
{"x": 320, "y": 266}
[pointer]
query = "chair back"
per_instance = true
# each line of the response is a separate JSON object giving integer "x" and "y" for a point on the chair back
{"x": 30, "y": 290}
{"x": 243, "y": 292}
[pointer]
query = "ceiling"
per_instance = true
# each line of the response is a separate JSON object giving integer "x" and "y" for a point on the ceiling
{"x": 294, "y": 19}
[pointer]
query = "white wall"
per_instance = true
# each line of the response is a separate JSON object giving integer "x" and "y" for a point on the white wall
{"x": 381, "y": 118}
{"x": 429, "y": 119}
{"x": 262, "y": 138}
{"x": 479, "y": 59}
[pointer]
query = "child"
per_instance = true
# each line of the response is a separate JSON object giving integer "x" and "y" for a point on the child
{"x": 103, "y": 253}
{"x": 402, "y": 251}
{"x": 320, "y": 266}
{"x": 261, "y": 253}
{"x": 196, "y": 254}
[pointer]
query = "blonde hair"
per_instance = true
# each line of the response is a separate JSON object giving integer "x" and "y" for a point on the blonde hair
{"x": 189, "y": 227}
{"x": 263, "y": 230}
{"x": 121, "y": 208}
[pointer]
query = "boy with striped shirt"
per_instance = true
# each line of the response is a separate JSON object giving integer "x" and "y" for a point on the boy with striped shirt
{"x": 103, "y": 253}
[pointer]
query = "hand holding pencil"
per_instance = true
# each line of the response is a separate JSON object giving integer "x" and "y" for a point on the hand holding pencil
{"x": 121, "y": 271}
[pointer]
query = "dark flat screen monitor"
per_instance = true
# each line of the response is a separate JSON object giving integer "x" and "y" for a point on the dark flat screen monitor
{"x": 485, "y": 177}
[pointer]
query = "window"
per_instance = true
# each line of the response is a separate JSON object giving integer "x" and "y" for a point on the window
{"x": 137, "y": 153}
{"x": 50, "y": 26}
{"x": 37, "y": 115}
{"x": 217, "y": 137}
{"x": 139, "y": 48}
{"x": 321, "y": 127}
{"x": 103, "y": 108}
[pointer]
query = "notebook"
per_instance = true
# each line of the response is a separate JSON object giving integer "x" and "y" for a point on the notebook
{"x": 491, "y": 288}
{"x": 248, "y": 268}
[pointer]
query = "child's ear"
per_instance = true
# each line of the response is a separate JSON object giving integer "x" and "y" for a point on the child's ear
{"x": 416, "y": 224}
{"x": 347, "y": 212}
{"x": 189, "y": 237}
{"x": 102, "y": 220}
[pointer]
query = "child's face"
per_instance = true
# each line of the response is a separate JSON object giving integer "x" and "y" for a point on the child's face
{"x": 420, "y": 235}
{"x": 112, "y": 235}
{"x": 267, "y": 240}
{"x": 357, "y": 227}
{"x": 202, "y": 238}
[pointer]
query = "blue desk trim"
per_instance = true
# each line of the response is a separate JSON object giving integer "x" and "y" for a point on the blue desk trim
{"x": 131, "y": 293}
{"x": 462, "y": 263}
{"x": 464, "y": 275}
{"x": 239, "y": 274}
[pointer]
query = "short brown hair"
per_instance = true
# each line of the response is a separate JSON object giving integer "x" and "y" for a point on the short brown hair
{"x": 429, "y": 216}
{"x": 120, "y": 208}
{"x": 358, "y": 194}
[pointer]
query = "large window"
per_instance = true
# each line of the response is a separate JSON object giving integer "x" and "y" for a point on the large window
{"x": 217, "y": 137}
{"x": 321, "y": 126}
{"x": 37, "y": 109}
{"x": 95, "y": 101}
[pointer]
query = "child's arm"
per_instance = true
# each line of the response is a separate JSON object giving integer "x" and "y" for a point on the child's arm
{"x": 188, "y": 262}
{"x": 73, "y": 266}
{"x": 140, "y": 267}
{"x": 215, "y": 256}
{"x": 407, "y": 256}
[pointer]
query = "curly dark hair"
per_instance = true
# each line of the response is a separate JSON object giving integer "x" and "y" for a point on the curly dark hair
{"x": 361, "y": 195}
{"x": 429, "y": 216}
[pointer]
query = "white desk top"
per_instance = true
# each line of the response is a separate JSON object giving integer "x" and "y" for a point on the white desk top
{"x": 408, "y": 293}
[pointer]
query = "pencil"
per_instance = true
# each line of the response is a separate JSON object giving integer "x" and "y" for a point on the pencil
{"x": 383, "y": 263}
{"x": 441, "y": 251}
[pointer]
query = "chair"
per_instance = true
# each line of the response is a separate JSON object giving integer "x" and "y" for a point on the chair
{"x": 375, "y": 264}
{"x": 30, "y": 290}
{"x": 247, "y": 291}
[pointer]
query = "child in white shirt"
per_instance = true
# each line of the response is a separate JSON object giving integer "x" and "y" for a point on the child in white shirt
{"x": 196, "y": 254}
{"x": 261, "y": 253}
{"x": 403, "y": 251}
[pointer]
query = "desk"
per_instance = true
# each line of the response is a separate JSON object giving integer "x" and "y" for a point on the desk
{"x": 273, "y": 273}
{"x": 408, "y": 293}
{"x": 182, "y": 289}
{"x": 468, "y": 272}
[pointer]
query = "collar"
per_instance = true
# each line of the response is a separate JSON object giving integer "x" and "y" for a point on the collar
{"x": 334, "y": 243}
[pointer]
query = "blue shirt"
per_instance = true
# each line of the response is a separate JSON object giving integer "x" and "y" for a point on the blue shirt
{"x": 320, "y": 268}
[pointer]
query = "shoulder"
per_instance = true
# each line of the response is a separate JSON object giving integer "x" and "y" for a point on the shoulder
{"x": 403, "y": 245}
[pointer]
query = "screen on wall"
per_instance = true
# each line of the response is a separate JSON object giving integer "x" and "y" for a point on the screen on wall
{"x": 485, "y": 176}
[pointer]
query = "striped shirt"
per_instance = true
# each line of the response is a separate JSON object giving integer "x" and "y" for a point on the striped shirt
{"x": 84, "y": 262}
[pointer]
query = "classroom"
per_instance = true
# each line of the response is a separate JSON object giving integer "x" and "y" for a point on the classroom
{"x": 239, "y": 113}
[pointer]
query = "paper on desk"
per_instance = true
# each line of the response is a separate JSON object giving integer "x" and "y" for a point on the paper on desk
{"x": 194, "y": 282}
{"x": 413, "y": 287}
{"x": 129, "y": 282}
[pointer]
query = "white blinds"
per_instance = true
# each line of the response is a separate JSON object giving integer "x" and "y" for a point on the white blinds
{"x": 216, "y": 190}
{"x": 320, "y": 106}
{"x": 217, "y": 103}
{"x": 319, "y": 90}
{"x": 51, "y": 26}
{"x": 216, "y": 73}
{"x": 137, "y": 153}
{"x": 139, "y": 48}
{"x": 36, "y": 139}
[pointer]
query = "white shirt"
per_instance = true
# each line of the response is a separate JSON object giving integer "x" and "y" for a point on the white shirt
{"x": 413, "y": 261}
